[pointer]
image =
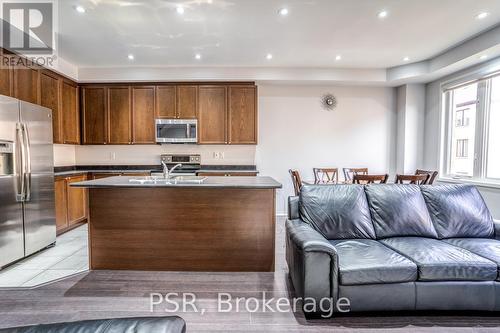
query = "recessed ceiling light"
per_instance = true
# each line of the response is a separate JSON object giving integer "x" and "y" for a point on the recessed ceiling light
{"x": 482, "y": 15}
{"x": 483, "y": 57}
{"x": 406, "y": 59}
{"x": 338, "y": 57}
{"x": 283, "y": 11}
{"x": 180, "y": 10}
{"x": 209, "y": 1}
{"x": 383, "y": 14}
{"x": 80, "y": 9}
{"x": 269, "y": 56}
{"x": 197, "y": 56}
{"x": 130, "y": 57}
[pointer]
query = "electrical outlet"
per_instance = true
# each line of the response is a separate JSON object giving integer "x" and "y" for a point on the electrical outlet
{"x": 221, "y": 154}
{"x": 216, "y": 155}
{"x": 112, "y": 156}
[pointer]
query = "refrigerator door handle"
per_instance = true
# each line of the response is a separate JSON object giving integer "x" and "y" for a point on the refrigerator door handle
{"x": 28, "y": 162}
{"x": 20, "y": 163}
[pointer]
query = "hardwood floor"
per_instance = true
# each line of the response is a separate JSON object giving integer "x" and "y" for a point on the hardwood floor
{"x": 107, "y": 294}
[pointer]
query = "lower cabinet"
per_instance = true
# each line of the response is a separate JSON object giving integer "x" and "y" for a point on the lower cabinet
{"x": 100, "y": 175}
{"x": 71, "y": 203}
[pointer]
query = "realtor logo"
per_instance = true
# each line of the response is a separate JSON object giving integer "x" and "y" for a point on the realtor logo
{"x": 28, "y": 27}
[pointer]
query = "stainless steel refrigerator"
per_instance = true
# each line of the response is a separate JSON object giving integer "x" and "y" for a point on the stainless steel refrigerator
{"x": 27, "y": 211}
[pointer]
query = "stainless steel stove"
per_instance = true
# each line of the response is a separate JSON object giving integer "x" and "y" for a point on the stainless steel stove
{"x": 190, "y": 163}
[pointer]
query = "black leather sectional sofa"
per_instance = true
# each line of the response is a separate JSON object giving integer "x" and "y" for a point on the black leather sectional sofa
{"x": 394, "y": 247}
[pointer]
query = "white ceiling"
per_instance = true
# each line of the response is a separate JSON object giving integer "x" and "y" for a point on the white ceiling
{"x": 241, "y": 32}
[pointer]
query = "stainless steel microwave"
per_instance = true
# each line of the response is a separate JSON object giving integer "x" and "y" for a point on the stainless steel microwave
{"x": 176, "y": 130}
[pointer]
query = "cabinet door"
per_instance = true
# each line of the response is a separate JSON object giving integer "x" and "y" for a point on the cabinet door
{"x": 49, "y": 98}
{"x": 61, "y": 204}
{"x": 6, "y": 77}
{"x": 143, "y": 113}
{"x": 212, "y": 115}
{"x": 77, "y": 200}
{"x": 119, "y": 115}
{"x": 166, "y": 102}
{"x": 242, "y": 115}
{"x": 70, "y": 114}
{"x": 26, "y": 82}
{"x": 187, "y": 102}
{"x": 94, "y": 115}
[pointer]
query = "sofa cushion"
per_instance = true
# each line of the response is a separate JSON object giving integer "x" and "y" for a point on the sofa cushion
{"x": 458, "y": 211}
{"x": 366, "y": 261}
{"x": 336, "y": 211}
{"x": 484, "y": 247}
{"x": 440, "y": 261}
{"x": 399, "y": 210}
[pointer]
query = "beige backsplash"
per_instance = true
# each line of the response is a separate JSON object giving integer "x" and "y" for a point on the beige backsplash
{"x": 149, "y": 154}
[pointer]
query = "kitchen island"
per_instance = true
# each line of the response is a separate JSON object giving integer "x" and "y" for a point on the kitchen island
{"x": 224, "y": 224}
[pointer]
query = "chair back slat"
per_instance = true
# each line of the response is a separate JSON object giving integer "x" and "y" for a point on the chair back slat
{"x": 412, "y": 179}
{"x": 326, "y": 175}
{"x": 432, "y": 175}
{"x": 370, "y": 179}
{"x": 297, "y": 182}
{"x": 349, "y": 173}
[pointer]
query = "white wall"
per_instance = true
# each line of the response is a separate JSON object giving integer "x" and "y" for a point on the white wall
{"x": 64, "y": 155}
{"x": 296, "y": 132}
{"x": 433, "y": 129}
{"x": 150, "y": 154}
{"x": 410, "y": 127}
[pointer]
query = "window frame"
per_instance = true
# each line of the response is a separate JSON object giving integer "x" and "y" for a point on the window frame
{"x": 479, "y": 175}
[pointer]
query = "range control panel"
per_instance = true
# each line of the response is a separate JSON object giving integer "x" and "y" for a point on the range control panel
{"x": 184, "y": 159}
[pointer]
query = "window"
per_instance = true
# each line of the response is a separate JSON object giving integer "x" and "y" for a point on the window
{"x": 462, "y": 148}
{"x": 472, "y": 135}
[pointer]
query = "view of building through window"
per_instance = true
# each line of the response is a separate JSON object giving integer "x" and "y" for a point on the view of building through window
{"x": 473, "y": 130}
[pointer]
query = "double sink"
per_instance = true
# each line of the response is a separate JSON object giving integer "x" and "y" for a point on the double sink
{"x": 173, "y": 179}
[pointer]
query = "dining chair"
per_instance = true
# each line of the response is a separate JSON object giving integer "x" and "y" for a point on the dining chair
{"x": 350, "y": 172}
{"x": 432, "y": 175}
{"x": 370, "y": 179}
{"x": 421, "y": 179}
{"x": 326, "y": 175}
{"x": 297, "y": 182}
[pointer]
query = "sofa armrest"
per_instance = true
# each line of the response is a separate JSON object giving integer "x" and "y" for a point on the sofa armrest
{"x": 293, "y": 207}
{"x": 496, "y": 224}
{"x": 312, "y": 263}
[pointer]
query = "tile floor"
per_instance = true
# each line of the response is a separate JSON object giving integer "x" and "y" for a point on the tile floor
{"x": 68, "y": 257}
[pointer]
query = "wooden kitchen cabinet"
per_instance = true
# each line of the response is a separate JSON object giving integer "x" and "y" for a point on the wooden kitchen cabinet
{"x": 242, "y": 115}
{"x": 26, "y": 78}
{"x": 165, "y": 106}
{"x": 70, "y": 112}
{"x": 94, "y": 115}
{"x": 6, "y": 77}
{"x": 70, "y": 203}
{"x": 119, "y": 115}
{"x": 143, "y": 115}
{"x": 50, "y": 98}
{"x": 212, "y": 115}
{"x": 187, "y": 102}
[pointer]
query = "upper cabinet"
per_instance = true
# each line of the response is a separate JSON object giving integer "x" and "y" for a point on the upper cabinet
{"x": 50, "y": 98}
{"x": 26, "y": 81}
{"x": 119, "y": 115}
{"x": 242, "y": 115}
{"x": 6, "y": 77}
{"x": 70, "y": 112}
{"x": 94, "y": 115}
{"x": 143, "y": 114}
{"x": 212, "y": 115}
{"x": 187, "y": 102}
{"x": 166, "y": 102}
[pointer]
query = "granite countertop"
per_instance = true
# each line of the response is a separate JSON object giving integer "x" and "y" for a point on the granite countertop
{"x": 209, "y": 182}
{"x": 78, "y": 170}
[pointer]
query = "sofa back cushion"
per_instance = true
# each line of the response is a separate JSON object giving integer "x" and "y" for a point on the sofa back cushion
{"x": 458, "y": 211}
{"x": 336, "y": 211}
{"x": 399, "y": 210}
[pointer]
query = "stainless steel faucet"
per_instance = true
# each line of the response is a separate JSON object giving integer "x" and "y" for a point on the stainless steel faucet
{"x": 167, "y": 173}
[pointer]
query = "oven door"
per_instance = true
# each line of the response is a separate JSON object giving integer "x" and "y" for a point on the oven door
{"x": 176, "y": 131}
